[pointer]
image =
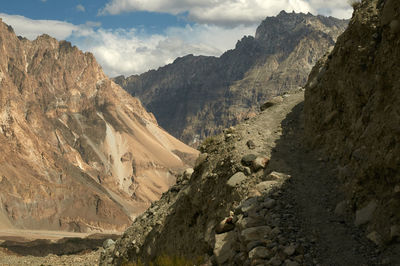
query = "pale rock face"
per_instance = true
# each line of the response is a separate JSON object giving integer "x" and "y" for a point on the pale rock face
{"x": 78, "y": 153}
{"x": 198, "y": 96}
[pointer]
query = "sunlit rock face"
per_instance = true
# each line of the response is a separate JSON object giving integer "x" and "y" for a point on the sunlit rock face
{"x": 77, "y": 152}
{"x": 198, "y": 96}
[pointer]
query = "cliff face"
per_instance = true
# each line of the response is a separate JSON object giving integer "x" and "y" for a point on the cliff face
{"x": 198, "y": 96}
{"x": 78, "y": 153}
{"x": 352, "y": 109}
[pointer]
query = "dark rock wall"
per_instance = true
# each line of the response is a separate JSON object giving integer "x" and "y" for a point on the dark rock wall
{"x": 352, "y": 110}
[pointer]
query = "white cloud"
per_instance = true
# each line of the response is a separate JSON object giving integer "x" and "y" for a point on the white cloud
{"x": 229, "y": 12}
{"x": 30, "y": 28}
{"x": 134, "y": 51}
{"x": 130, "y": 52}
{"x": 80, "y": 8}
{"x": 337, "y": 8}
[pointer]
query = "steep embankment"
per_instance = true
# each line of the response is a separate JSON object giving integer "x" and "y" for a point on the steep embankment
{"x": 352, "y": 110}
{"x": 78, "y": 153}
{"x": 198, "y": 96}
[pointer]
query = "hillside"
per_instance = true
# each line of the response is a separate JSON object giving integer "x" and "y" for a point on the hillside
{"x": 305, "y": 182}
{"x": 78, "y": 153}
{"x": 198, "y": 96}
{"x": 352, "y": 110}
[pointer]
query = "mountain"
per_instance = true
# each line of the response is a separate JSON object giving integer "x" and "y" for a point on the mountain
{"x": 308, "y": 181}
{"x": 78, "y": 153}
{"x": 198, "y": 96}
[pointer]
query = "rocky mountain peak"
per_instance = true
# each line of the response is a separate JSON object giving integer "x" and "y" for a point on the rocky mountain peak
{"x": 78, "y": 152}
{"x": 285, "y": 30}
{"x": 198, "y": 96}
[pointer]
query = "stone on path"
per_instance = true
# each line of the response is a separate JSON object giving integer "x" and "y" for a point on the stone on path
{"x": 108, "y": 243}
{"x": 225, "y": 226}
{"x": 255, "y": 233}
{"x": 375, "y": 237}
{"x": 365, "y": 214}
{"x": 251, "y": 145}
{"x": 223, "y": 249}
{"x": 266, "y": 186}
{"x": 236, "y": 179}
{"x": 248, "y": 159}
{"x": 259, "y": 253}
{"x": 259, "y": 163}
{"x": 272, "y": 102}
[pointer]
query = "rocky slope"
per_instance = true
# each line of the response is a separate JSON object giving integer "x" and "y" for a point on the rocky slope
{"x": 260, "y": 195}
{"x": 78, "y": 153}
{"x": 198, "y": 96}
{"x": 353, "y": 110}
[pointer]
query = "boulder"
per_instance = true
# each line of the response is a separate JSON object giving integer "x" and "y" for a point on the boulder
{"x": 375, "y": 237}
{"x": 188, "y": 173}
{"x": 259, "y": 163}
{"x": 108, "y": 243}
{"x": 289, "y": 250}
{"x": 394, "y": 232}
{"x": 225, "y": 225}
{"x": 248, "y": 222}
{"x": 248, "y": 159}
{"x": 223, "y": 249}
{"x": 365, "y": 214}
{"x": 250, "y": 144}
{"x": 255, "y": 233}
{"x": 266, "y": 186}
{"x": 272, "y": 102}
{"x": 200, "y": 160}
{"x": 341, "y": 208}
{"x": 259, "y": 253}
{"x": 236, "y": 179}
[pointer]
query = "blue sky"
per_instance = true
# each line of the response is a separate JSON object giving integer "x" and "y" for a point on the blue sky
{"x": 80, "y": 11}
{"x": 132, "y": 36}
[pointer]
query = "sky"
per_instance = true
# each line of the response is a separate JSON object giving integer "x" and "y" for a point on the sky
{"x": 133, "y": 36}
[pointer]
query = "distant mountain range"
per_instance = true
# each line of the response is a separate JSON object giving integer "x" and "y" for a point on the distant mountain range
{"x": 198, "y": 96}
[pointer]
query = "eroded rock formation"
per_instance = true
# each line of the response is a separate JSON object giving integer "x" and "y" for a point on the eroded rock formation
{"x": 78, "y": 153}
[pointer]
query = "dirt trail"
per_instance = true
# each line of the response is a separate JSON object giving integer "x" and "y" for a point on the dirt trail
{"x": 309, "y": 200}
{"x": 312, "y": 196}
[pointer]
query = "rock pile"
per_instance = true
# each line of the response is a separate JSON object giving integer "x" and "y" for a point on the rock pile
{"x": 252, "y": 234}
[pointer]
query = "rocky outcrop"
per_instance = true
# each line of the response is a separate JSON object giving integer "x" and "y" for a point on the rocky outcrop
{"x": 78, "y": 153}
{"x": 352, "y": 110}
{"x": 198, "y": 96}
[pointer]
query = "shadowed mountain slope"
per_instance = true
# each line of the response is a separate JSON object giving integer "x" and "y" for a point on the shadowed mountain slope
{"x": 198, "y": 96}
